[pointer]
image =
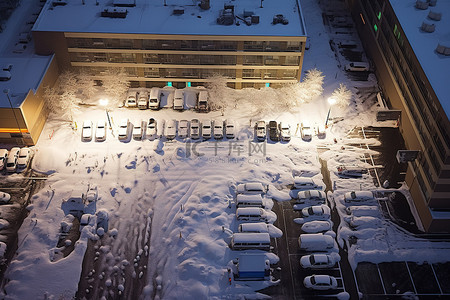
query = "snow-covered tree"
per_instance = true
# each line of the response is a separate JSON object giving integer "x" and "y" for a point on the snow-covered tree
{"x": 312, "y": 86}
{"x": 115, "y": 85}
{"x": 217, "y": 89}
{"x": 342, "y": 95}
{"x": 86, "y": 85}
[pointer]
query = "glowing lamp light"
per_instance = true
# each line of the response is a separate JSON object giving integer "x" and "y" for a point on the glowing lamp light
{"x": 103, "y": 102}
{"x": 331, "y": 101}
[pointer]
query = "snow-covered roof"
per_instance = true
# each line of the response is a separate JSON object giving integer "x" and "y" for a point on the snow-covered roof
{"x": 252, "y": 262}
{"x": 435, "y": 66}
{"x": 152, "y": 17}
{"x": 26, "y": 73}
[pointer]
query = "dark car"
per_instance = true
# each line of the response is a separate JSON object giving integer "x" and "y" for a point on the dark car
{"x": 274, "y": 132}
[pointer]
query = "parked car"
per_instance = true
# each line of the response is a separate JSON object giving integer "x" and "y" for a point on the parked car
{"x": 131, "y": 99}
{"x": 250, "y": 188}
{"x": 320, "y": 131}
{"x": 178, "y": 100}
{"x": 306, "y": 131}
{"x": 155, "y": 97}
{"x": 4, "y": 197}
{"x": 229, "y": 129}
{"x": 202, "y": 101}
{"x": 151, "y": 128}
{"x": 260, "y": 130}
{"x": 142, "y": 102}
{"x": 11, "y": 162}
{"x": 124, "y": 128}
{"x": 195, "y": 129}
{"x": 317, "y": 226}
{"x": 285, "y": 131}
{"x": 305, "y": 183}
{"x": 352, "y": 171}
{"x": 138, "y": 130}
{"x": 357, "y": 67}
{"x": 311, "y": 196}
{"x": 274, "y": 134}
{"x": 320, "y": 282}
{"x": 86, "y": 219}
{"x": 100, "y": 131}
{"x": 86, "y": 131}
{"x": 358, "y": 196}
{"x": 316, "y": 212}
{"x": 206, "y": 129}
{"x": 218, "y": 129}
{"x": 3, "y": 158}
{"x": 183, "y": 129}
{"x": 170, "y": 131}
{"x": 317, "y": 261}
{"x": 24, "y": 158}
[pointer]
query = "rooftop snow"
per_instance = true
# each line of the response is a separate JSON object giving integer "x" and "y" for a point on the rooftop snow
{"x": 26, "y": 73}
{"x": 152, "y": 17}
{"x": 435, "y": 66}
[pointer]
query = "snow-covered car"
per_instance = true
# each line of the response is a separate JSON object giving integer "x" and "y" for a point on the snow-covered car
{"x": 285, "y": 131}
{"x": 311, "y": 196}
{"x": 206, "y": 129}
{"x": 138, "y": 130}
{"x": 305, "y": 183}
{"x": 13, "y": 156}
{"x": 86, "y": 131}
{"x": 317, "y": 261}
{"x": 218, "y": 129}
{"x": 183, "y": 129}
{"x": 100, "y": 131}
{"x": 320, "y": 282}
{"x": 195, "y": 129}
{"x": 351, "y": 171}
{"x": 24, "y": 158}
{"x": 86, "y": 219}
{"x": 131, "y": 99}
{"x": 124, "y": 128}
{"x": 170, "y": 131}
{"x": 155, "y": 97}
{"x": 320, "y": 131}
{"x": 250, "y": 188}
{"x": 317, "y": 226}
{"x": 364, "y": 211}
{"x": 365, "y": 222}
{"x": 151, "y": 128}
{"x": 178, "y": 100}
{"x": 274, "y": 133}
{"x": 229, "y": 129}
{"x": 142, "y": 102}
{"x": 3, "y": 158}
{"x": 357, "y": 67}
{"x": 358, "y": 196}
{"x": 4, "y": 197}
{"x": 260, "y": 131}
{"x": 316, "y": 212}
{"x": 306, "y": 131}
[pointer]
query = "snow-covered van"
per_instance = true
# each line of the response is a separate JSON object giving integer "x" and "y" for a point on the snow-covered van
{"x": 202, "y": 102}
{"x": 249, "y": 201}
{"x": 142, "y": 102}
{"x": 315, "y": 242}
{"x": 245, "y": 241}
{"x": 259, "y": 227}
{"x": 251, "y": 214}
{"x": 154, "y": 98}
{"x": 178, "y": 100}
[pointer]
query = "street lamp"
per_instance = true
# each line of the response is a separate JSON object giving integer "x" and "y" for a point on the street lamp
{"x": 331, "y": 101}
{"x": 104, "y": 102}
{"x": 6, "y": 91}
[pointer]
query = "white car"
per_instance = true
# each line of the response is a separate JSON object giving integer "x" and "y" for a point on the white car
{"x": 317, "y": 226}
{"x": 3, "y": 158}
{"x": 151, "y": 128}
{"x": 250, "y": 188}
{"x": 357, "y": 67}
{"x": 178, "y": 100}
{"x": 131, "y": 99}
{"x": 86, "y": 132}
{"x": 142, "y": 102}
{"x": 11, "y": 162}
{"x": 195, "y": 129}
{"x": 317, "y": 261}
{"x": 260, "y": 130}
{"x": 206, "y": 129}
{"x": 100, "y": 131}
{"x": 311, "y": 196}
{"x": 316, "y": 212}
{"x": 124, "y": 128}
{"x": 86, "y": 219}
{"x": 218, "y": 129}
{"x": 183, "y": 129}
{"x": 285, "y": 131}
{"x": 4, "y": 197}
{"x": 320, "y": 282}
{"x": 170, "y": 131}
{"x": 305, "y": 183}
{"x": 138, "y": 130}
{"x": 306, "y": 131}
{"x": 229, "y": 129}
{"x": 358, "y": 196}
{"x": 351, "y": 171}
{"x": 320, "y": 131}
{"x": 24, "y": 158}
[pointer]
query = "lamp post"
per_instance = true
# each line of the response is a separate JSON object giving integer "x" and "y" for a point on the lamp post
{"x": 104, "y": 102}
{"x": 6, "y": 91}
{"x": 331, "y": 101}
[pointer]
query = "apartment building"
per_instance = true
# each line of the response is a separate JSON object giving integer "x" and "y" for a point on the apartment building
{"x": 407, "y": 42}
{"x": 179, "y": 43}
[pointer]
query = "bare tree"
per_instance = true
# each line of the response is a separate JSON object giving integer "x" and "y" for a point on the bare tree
{"x": 115, "y": 84}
